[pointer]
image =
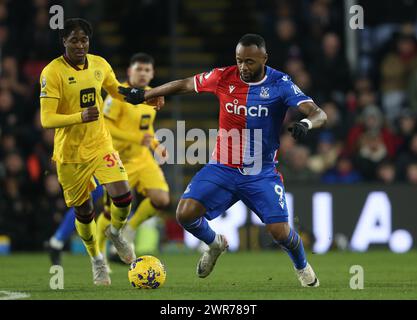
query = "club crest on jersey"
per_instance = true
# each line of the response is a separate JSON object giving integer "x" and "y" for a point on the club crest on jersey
{"x": 264, "y": 93}
{"x": 98, "y": 74}
{"x": 231, "y": 88}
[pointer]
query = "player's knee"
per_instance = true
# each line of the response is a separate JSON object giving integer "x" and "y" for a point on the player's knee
{"x": 161, "y": 201}
{"x": 189, "y": 210}
{"x": 84, "y": 216}
{"x": 279, "y": 231}
{"x": 122, "y": 201}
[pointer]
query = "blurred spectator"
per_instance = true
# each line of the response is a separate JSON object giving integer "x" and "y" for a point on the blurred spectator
{"x": 371, "y": 121}
{"x": 11, "y": 79}
{"x": 334, "y": 124}
{"x": 372, "y": 151}
{"x": 295, "y": 166}
{"x": 330, "y": 69}
{"x": 284, "y": 44}
{"x": 412, "y": 173}
{"x": 386, "y": 172}
{"x": 327, "y": 153}
{"x": 412, "y": 92}
{"x": 343, "y": 172}
{"x": 396, "y": 71}
{"x": 406, "y": 127}
{"x": 407, "y": 157}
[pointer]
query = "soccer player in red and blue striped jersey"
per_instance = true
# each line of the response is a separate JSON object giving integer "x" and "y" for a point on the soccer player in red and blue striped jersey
{"x": 254, "y": 99}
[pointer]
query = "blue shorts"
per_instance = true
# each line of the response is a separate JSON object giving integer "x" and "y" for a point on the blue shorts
{"x": 217, "y": 187}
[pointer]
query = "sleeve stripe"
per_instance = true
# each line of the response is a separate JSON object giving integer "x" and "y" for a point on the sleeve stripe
{"x": 307, "y": 100}
{"x": 195, "y": 84}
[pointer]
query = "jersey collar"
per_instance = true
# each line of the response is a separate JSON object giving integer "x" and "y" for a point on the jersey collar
{"x": 67, "y": 60}
{"x": 256, "y": 83}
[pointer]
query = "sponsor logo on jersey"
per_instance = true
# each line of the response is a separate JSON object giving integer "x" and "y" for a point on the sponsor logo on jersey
{"x": 43, "y": 82}
{"x": 87, "y": 97}
{"x": 231, "y": 88}
{"x": 71, "y": 80}
{"x": 253, "y": 111}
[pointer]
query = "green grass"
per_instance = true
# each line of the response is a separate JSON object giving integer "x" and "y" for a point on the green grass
{"x": 246, "y": 275}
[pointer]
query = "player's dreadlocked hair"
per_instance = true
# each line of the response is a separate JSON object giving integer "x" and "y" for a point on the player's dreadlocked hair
{"x": 252, "y": 39}
{"x": 76, "y": 23}
{"x": 142, "y": 58}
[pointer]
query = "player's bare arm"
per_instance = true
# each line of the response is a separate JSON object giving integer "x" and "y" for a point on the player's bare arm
{"x": 136, "y": 96}
{"x": 313, "y": 112}
{"x": 316, "y": 118}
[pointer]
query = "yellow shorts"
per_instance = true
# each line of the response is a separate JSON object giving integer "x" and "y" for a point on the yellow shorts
{"x": 145, "y": 173}
{"x": 77, "y": 179}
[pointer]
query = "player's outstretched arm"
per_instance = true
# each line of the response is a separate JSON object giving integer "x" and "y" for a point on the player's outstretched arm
{"x": 316, "y": 118}
{"x": 51, "y": 119}
{"x": 136, "y": 96}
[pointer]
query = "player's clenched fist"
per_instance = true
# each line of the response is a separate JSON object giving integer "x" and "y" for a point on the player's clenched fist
{"x": 299, "y": 130}
{"x": 90, "y": 114}
{"x": 157, "y": 102}
{"x": 133, "y": 95}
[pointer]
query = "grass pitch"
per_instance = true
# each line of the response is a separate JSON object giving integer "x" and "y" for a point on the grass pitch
{"x": 266, "y": 275}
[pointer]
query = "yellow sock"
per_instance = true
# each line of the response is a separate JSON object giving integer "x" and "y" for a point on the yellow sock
{"x": 87, "y": 233}
{"x": 144, "y": 211}
{"x": 102, "y": 223}
{"x": 119, "y": 215}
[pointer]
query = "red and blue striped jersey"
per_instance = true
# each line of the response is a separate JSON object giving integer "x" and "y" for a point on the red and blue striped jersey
{"x": 251, "y": 114}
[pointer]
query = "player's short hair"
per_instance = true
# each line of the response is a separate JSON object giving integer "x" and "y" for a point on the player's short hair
{"x": 142, "y": 57}
{"x": 76, "y": 23}
{"x": 250, "y": 39}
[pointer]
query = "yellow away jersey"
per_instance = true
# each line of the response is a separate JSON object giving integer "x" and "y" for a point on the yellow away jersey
{"x": 77, "y": 89}
{"x": 134, "y": 120}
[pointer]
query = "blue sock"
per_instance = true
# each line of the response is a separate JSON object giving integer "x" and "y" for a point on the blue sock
{"x": 200, "y": 229}
{"x": 67, "y": 226}
{"x": 295, "y": 249}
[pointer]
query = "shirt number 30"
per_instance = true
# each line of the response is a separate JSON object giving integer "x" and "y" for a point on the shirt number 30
{"x": 112, "y": 159}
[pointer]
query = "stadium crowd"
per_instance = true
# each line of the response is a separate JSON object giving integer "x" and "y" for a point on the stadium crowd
{"x": 370, "y": 136}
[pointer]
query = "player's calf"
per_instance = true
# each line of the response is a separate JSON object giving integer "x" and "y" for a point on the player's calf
{"x": 291, "y": 242}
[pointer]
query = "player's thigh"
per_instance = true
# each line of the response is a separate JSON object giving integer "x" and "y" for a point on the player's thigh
{"x": 146, "y": 175}
{"x": 109, "y": 171}
{"x": 266, "y": 197}
{"x": 77, "y": 182}
{"x": 213, "y": 188}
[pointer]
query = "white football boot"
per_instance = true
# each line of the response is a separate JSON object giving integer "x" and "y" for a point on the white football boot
{"x": 307, "y": 277}
{"x": 124, "y": 249}
{"x": 100, "y": 274}
{"x": 129, "y": 234}
{"x": 209, "y": 257}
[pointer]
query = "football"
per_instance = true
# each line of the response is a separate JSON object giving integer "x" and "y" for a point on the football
{"x": 147, "y": 272}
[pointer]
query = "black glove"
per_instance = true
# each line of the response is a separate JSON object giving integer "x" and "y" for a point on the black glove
{"x": 299, "y": 130}
{"x": 133, "y": 95}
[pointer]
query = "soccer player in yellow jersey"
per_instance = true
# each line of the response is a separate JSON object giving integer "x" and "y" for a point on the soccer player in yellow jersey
{"x": 71, "y": 103}
{"x": 133, "y": 136}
